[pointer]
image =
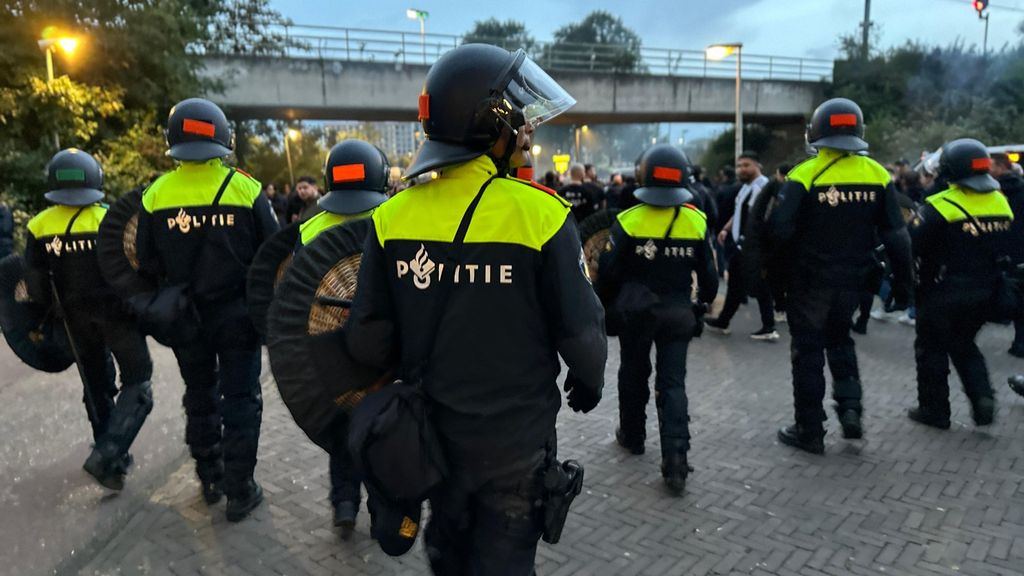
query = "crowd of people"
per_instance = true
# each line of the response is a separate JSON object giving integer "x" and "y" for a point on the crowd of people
{"x": 473, "y": 283}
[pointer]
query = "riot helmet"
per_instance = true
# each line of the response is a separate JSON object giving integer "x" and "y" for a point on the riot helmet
{"x": 74, "y": 178}
{"x": 662, "y": 174}
{"x": 966, "y": 162}
{"x": 197, "y": 130}
{"x": 475, "y": 93}
{"x": 355, "y": 177}
{"x": 838, "y": 124}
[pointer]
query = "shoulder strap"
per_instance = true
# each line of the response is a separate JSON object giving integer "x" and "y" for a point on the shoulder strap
{"x": 75, "y": 217}
{"x": 966, "y": 213}
{"x": 825, "y": 169}
{"x": 223, "y": 186}
{"x": 446, "y": 287}
{"x": 672, "y": 223}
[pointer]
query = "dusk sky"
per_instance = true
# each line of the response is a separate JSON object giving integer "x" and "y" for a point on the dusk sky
{"x": 778, "y": 27}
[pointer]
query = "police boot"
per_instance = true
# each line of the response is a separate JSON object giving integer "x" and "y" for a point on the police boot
{"x": 109, "y": 472}
{"x": 1017, "y": 384}
{"x": 799, "y": 437}
{"x": 849, "y": 420}
{"x": 635, "y": 446}
{"x": 984, "y": 410}
{"x": 345, "y": 518}
{"x": 674, "y": 470}
{"x": 928, "y": 418}
{"x": 210, "y": 470}
{"x": 245, "y": 501}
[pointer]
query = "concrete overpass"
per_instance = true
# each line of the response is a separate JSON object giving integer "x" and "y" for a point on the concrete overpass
{"x": 337, "y": 89}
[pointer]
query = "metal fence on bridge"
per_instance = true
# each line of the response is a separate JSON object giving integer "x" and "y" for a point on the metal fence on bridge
{"x": 396, "y": 47}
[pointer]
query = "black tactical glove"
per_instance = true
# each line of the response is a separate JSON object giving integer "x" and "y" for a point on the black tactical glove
{"x": 581, "y": 398}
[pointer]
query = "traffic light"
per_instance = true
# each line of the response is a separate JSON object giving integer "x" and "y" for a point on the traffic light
{"x": 980, "y": 6}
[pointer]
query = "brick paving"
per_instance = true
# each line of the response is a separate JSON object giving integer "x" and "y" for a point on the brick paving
{"x": 907, "y": 500}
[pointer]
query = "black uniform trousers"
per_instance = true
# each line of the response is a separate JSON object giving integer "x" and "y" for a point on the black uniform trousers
{"x": 819, "y": 322}
{"x": 745, "y": 280}
{"x": 101, "y": 329}
{"x": 223, "y": 402}
{"x": 345, "y": 480}
{"x": 947, "y": 323}
{"x": 485, "y": 518}
{"x": 669, "y": 328}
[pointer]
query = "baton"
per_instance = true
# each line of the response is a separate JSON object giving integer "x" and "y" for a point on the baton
{"x": 90, "y": 406}
{"x": 332, "y": 301}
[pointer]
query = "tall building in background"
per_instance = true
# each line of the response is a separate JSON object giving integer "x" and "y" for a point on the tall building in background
{"x": 398, "y": 138}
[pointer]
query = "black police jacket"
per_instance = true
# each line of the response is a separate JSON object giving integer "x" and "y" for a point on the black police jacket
{"x": 62, "y": 240}
{"x": 519, "y": 297}
{"x": 660, "y": 248}
{"x": 960, "y": 237}
{"x": 184, "y": 239}
{"x": 830, "y": 209}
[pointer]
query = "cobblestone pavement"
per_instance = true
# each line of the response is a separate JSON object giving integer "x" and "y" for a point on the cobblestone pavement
{"x": 906, "y": 500}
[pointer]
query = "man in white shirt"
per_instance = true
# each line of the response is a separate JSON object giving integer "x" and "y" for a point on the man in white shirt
{"x": 743, "y": 280}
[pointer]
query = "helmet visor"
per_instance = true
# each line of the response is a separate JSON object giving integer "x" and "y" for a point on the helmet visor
{"x": 534, "y": 92}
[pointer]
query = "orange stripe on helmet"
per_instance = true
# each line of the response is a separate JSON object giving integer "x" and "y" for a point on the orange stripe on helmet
{"x": 424, "y": 106}
{"x": 981, "y": 164}
{"x": 670, "y": 174}
{"x": 348, "y": 173}
{"x": 198, "y": 127}
{"x": 842, "y": 120}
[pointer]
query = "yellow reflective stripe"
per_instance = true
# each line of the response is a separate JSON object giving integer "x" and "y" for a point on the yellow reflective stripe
{"x": 979, "y": 205}
{"x": 645, "y": 221}
{"x": 510, "y": 212}
{"x": 54, "y": 220}
{"x": 196, "y": 184}
{"x": 310, "y": 229}
{"x": 851, "y": 170}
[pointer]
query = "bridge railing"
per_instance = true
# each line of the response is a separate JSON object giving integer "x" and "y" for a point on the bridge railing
{"x": 389, "y": 46}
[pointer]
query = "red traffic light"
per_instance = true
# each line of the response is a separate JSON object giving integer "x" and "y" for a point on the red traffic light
{"x": 980, "y": 5}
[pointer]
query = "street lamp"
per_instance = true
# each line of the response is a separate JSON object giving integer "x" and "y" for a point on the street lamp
{"x": 293, "y": 135}
{"x": 421, "y": 15}
{"x": 536, "y": 150}
{"x": 720, "y": 52}
{"x": 48, "y": 44}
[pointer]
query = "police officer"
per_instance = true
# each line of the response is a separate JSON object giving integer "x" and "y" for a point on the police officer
{"x": 961, "y": 237}
{"x": 830, "y": 209}
{"x": 60, "y": 255}
{"x": 516, "y": 297}
{"x": 356, "y": 180}
{"x": 654, "y": 249}
{"x": 199, "y": 228}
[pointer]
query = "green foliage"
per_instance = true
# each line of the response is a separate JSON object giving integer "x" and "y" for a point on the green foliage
{"x": 916, "y": 97}
{"x": 134, "y": 60}
{"x": 510, "y": 34}
{"x": 722, "y": 151}
{"x": 599, "y": 42}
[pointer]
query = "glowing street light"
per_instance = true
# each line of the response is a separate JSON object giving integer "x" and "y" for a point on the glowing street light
{"x": 293, "y": 135}
{"x": 720, "y": 52}
{"x": 421, "y": 15}
{"x": 536, "y": 150}
{"x": 48, "y": 44}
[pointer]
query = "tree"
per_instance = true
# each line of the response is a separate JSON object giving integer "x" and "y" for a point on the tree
{"x": 134, "y": 61}
{"x": 722, "y": 151}
{"x": 600, "y": 42}
{"x": 510, "y": 34}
